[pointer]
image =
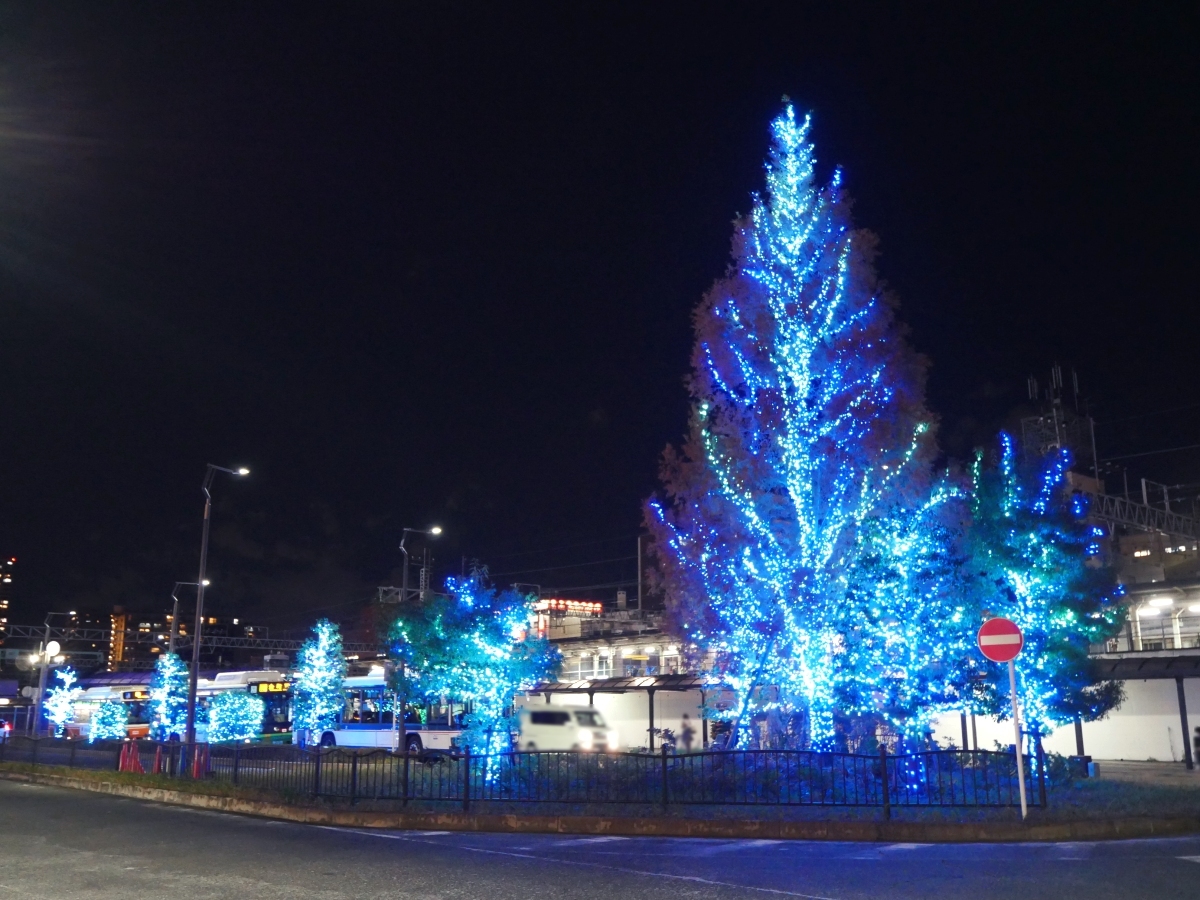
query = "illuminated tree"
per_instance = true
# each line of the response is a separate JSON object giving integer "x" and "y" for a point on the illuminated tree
{"x": 474, "y": 645}
{"x": 235, "y": 716}
{"x": 808, "y": 422}
{"x": 1037, "y": 562}
{"x": 317, "y": 686}
{"x": 108, "y": 722}
{"x": 908, "y": 624}
{"x": 59, "y": 706}
{"x": 168, "y": 697}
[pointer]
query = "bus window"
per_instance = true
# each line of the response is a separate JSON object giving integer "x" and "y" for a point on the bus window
{"x": 372, "y": 702}
{"x": 275, "y": 718}
{"x": 352, "y": 712}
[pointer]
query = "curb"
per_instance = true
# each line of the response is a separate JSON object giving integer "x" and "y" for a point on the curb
{"x": 877, "y": 832}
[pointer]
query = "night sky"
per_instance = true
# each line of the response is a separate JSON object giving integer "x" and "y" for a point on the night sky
{"x": 418, "y": 263}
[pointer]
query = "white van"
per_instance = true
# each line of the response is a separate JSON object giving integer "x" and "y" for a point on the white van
{"x": 565, "y": 728}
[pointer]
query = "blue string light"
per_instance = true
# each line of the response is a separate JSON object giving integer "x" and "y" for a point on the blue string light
{"x": 59, "y": 706}
{"x": 317, "y": 685}
{"x": 235, "y": 716}
{"x": 108, "y": 722}
{"x": 168, "y": 697}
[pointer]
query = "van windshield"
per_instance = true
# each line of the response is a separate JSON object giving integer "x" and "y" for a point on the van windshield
{"x": 589, "y": 719}
{"x": 549, "y": 718}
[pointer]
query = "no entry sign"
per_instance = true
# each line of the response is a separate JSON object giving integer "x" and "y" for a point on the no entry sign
{"x": 1000, "y": 640}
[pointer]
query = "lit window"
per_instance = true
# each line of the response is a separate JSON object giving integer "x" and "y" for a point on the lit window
{"x": 1139, "y": 553}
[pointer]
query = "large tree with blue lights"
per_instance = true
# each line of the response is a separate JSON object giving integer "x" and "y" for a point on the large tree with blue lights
{"x": 475, "y": 645}
{"x": 1035, "y": 559}
{"x": 808, "y": 427}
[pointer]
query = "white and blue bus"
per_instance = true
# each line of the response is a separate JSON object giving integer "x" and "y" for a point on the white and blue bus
{"x": 368, "y": 719}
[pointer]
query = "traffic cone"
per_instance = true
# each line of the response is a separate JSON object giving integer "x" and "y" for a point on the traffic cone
{"x": 158, "y": 760}
{"x": 200, "y": 761}
{"x": 135, "y": 759}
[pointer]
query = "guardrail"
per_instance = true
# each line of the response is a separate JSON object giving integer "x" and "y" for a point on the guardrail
{"x": 934, "y": 778}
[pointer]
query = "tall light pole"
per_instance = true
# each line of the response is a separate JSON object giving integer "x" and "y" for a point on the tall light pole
{"x": 194, "y": 671}
{"x": 175, "y": 610}
{"x": 402, "y": 738}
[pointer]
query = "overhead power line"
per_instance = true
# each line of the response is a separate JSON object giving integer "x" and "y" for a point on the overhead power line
{"x": 580, "y": 565}
{"x": 1152, "y": 452}
{"x": 1146, "y": 415}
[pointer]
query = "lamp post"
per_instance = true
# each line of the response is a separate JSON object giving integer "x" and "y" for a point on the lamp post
{"x": 175, "y": 611}
{"x": 402, "y": 738}
{"x": 194, "y": 671}
{"x": 48, "y": 652}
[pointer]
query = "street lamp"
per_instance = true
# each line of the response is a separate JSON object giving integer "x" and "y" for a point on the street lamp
{"x": 175, "y": 611}
{"x": 194, "y": 672}
{"x": 47, "y": 654}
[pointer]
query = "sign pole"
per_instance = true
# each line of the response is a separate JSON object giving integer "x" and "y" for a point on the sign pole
{"x": 1001, "y": 640}
{"x": 1012, "y": 686}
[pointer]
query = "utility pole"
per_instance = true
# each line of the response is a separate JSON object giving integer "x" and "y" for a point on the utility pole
{"x": 402, "y": 704}
{"x": 639, "y": 572}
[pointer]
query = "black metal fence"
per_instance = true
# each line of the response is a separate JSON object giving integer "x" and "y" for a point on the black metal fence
{"x": 935, "y": 778}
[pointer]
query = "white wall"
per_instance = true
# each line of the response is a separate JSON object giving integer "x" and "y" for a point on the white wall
{"x": 1145, "y": 726}
{"x": 629, "y": 713}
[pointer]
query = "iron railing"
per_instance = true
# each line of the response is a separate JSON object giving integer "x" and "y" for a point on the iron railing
{"x": 934, "y": 778}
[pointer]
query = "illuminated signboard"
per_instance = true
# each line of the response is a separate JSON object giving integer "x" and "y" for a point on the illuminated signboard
{"x": 270, "y": 687}
{"x": 570, "y": 607}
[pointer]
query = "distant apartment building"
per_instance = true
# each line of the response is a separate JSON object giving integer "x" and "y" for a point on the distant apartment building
{"x": 125, "y": 640}
{"x": 7, "y": 567}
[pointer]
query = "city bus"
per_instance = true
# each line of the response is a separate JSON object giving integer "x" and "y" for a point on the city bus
{"x": 133, "y": 689}
{"x": 368, "y": 719}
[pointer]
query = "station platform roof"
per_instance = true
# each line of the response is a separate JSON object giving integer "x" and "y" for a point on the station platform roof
{"x": 643, "y": 683}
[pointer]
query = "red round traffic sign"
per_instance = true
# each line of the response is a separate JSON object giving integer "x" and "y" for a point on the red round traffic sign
{"x": 1000, "y": 639}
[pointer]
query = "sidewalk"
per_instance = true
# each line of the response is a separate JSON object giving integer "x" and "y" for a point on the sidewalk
{"x": 1160, "y": 774}
{"x": 1121, "y": 827}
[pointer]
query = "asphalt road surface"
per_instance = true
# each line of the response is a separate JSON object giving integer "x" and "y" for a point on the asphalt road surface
{"x": 57, "y": 844}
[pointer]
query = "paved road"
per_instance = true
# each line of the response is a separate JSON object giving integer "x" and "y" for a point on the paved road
{"x": 58, "y": 845}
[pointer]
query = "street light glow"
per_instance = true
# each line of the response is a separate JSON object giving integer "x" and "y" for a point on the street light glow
{"x": 52, "y": 648}
{"x": 243, "y": 471}
{"x": 435, "y": 530}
